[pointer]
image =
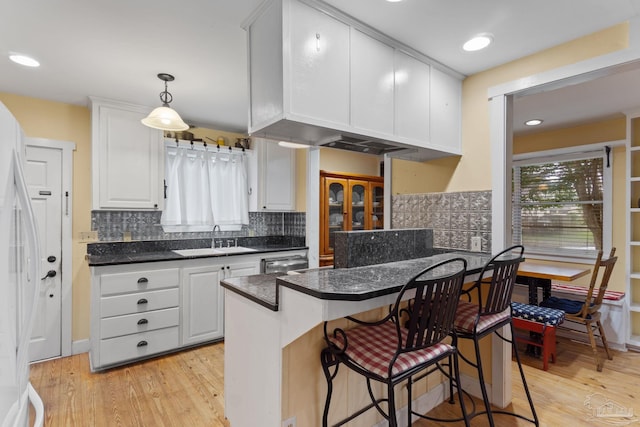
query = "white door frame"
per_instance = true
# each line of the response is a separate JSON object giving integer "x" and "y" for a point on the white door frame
{"x": 500, "y": 102}
{"x": 67, "y": 149}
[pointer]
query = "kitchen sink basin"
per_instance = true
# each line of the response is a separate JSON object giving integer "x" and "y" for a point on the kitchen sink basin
{"x": 234, "y": 250}
{"x": 213, "y": 251}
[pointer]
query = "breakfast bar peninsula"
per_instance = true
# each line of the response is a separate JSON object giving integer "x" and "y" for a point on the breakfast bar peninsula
{"x": 273, "y": 339}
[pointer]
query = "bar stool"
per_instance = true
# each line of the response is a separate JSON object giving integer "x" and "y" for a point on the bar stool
{"x": 410, "y": 339}
{"x": 490, "y": 311}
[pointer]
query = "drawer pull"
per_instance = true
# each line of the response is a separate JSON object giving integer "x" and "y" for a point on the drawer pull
{"x": 143, "y": 322}
{"x": 143, "y": 280}
{"x": 142, "y": 301}
{"x": 143, "y": 344}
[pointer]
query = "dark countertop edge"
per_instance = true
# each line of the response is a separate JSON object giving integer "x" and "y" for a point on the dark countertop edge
{"x": 347, "y": 296}
{"x": 270, "y": 306}
{"x": 104, "y": 260}
{"x": 336, "y": 296}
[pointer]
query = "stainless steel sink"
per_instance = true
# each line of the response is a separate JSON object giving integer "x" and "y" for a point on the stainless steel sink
{"x": 235, "y": 250}
{"x": 213, "y": 251}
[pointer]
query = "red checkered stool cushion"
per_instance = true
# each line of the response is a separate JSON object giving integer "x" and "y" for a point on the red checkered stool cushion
{"x": 468, "y": 312}
{"x": 373, "y": 347}
{"x": 540, "y": 323}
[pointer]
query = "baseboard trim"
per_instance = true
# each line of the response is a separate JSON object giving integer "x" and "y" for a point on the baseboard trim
{"x": 80, "y": 346}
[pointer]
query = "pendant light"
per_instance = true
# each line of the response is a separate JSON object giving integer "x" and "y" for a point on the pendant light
{"x": 165, "y": 117}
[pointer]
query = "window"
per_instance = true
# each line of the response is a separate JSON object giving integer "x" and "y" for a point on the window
{"x": 560, "y": 203}
{"x": 205, "y": 188}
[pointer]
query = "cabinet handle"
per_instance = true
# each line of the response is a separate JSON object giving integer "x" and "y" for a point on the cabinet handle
{"x": 142, "y": 301}
{"x": 143, "y": 322}
{"x": 143, "y": 280}
{"x": 143, "y": 344}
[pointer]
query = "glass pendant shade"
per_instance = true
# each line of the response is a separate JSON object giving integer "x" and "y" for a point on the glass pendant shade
{"x": 165, "y": 118}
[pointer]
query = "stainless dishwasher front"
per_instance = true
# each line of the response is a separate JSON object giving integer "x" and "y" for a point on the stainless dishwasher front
{"x": 284, "y": 264}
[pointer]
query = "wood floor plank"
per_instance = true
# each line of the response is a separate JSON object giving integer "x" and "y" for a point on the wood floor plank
{"x": 186, "y": 389}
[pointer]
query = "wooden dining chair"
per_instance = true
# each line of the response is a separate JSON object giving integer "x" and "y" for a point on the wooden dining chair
{"x": 406, "y": 342}
{"x": 587, "y": 312}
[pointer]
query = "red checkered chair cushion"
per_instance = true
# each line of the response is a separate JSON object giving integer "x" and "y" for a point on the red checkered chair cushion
{"x": 373, "y": 347}
{"x": 468, "y": 312}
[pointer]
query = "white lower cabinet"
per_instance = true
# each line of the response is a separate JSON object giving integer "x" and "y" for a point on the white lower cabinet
{"x": 202, "y": 304}
{"x": 203, "y": 299}
{"x": 141, "y": 310}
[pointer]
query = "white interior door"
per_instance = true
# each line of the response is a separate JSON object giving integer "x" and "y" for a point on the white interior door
{"x": 43, "y": 172}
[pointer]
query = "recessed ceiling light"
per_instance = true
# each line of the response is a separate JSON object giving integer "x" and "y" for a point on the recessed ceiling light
{"x": 394, "y": 1}
{"x": 27, "y": 61}
{"x": 533, "y": 122}
{"x": 478, "y": 42}
{"x": 291, "y": 145}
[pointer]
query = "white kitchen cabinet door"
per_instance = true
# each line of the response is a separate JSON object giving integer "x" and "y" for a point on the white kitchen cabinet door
{"x": 319, "y": 66}
{"x": 202, "y": 304}
{"x": 272, "y": 171}
{"x": 238, "y": 269}
{"x": 412, "y": 119}
{"x": 127, "y": 157}
{"x": 371, "y": 84}
{"x": 265, "y": 67}
{"x": 445, "y": 110}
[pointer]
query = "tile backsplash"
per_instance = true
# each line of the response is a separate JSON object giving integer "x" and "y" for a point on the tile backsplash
{"x": 145, "y": 225}
{"x": 454, "y": 217}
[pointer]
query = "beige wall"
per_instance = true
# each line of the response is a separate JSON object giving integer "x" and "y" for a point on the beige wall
{"x": 54, "y": 120}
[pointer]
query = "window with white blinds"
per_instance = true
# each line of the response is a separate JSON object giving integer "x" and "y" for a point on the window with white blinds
{"x": 559, "y": 203}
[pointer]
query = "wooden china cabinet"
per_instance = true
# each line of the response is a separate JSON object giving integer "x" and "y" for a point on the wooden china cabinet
{"x": 348, "y": 202}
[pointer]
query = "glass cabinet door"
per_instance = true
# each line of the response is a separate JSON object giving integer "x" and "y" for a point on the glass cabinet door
{"x": 359, "y": 192}
{"x": 336, "y": 212}
{"x": 377, "y": 206}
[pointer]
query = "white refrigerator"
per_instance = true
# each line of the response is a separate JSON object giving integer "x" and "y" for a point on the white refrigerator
{"x": 19, "y": 280}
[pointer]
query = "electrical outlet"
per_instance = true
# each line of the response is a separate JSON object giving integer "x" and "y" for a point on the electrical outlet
{"x": 476, "y": 244}
{"x": 290, "y": 422}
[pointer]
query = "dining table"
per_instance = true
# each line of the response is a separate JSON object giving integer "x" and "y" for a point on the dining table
{"x": 537, "y": 276}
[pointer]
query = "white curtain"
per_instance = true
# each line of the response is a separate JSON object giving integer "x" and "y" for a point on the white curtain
{"x": 205, "y": 188}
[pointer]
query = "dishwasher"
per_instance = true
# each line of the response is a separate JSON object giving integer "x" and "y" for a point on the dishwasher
{"x": 284, "y": 264}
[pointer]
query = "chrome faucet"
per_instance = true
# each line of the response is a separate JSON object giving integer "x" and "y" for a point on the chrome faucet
{"x": 213, "y": 233}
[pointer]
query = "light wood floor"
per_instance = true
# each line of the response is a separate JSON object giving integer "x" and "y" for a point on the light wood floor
{"x": 185, "y": 389}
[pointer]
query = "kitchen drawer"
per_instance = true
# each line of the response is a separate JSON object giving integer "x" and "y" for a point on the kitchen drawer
{"x": 139, "y": 322}
{"x": 139, "y": 281}
{"x": 128, "y": 347}
{"x": 138, "y": 302}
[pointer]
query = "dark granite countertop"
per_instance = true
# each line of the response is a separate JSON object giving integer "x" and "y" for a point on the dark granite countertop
{"x": 115, "y": 253}
{"x": 346, "y": 284}
{"x": 260, "y": 288}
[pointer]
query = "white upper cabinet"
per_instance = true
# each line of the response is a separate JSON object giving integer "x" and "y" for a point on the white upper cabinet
{"x": 371, "y": 84}
{"x": 272, "y": 172}
{"x": 317, "y": 75}
{"x": 412, "y": 97}
{"x": 446, "y": 106}
{"x": 319, "y": 66}
{"x": 265, "y": 68}
{"x": 126, "y": 157}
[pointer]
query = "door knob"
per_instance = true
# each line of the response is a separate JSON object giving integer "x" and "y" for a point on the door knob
{"x": 50, "y": 273}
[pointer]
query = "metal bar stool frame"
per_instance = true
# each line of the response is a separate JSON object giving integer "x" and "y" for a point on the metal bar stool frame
{"x": 488, "y": 315}
{"x": 416, "y": 331}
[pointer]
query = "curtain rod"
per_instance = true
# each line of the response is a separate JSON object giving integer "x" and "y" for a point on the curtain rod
{"x": 205, "y": 146}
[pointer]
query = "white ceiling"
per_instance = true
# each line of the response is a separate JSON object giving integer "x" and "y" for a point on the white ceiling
{"x": 114, "y": 49}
